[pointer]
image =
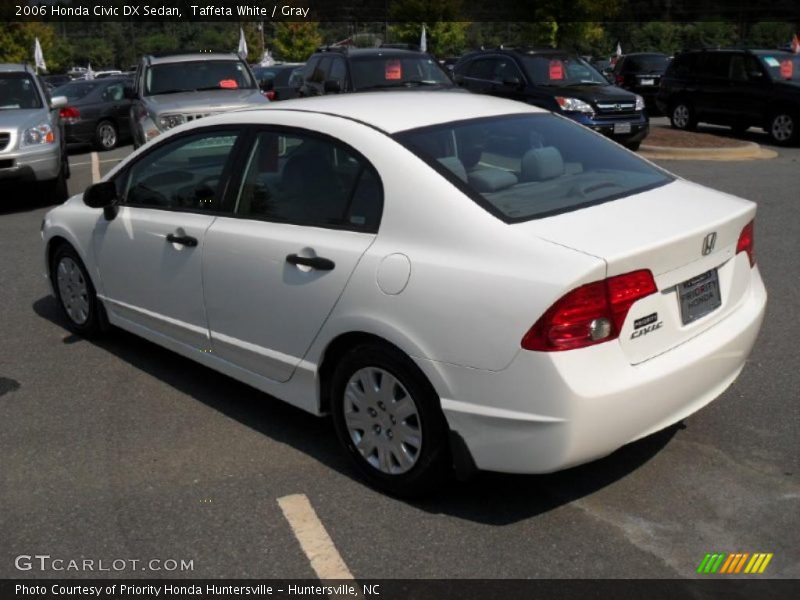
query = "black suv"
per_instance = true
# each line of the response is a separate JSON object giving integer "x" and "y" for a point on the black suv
{"x": 737, "y": 88}
{"x": 559, "y": 81}
{"x": 336, "y": 69}
{"x": 641, "y": 73}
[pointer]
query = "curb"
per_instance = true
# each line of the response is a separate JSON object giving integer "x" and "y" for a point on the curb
{"x": 749, "y": 151}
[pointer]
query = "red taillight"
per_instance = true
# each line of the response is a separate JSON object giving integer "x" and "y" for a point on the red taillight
{"x": 591, "y": 314}
{"x": 70, "y": 112}
{"x": 269, "y": 95}
{"x": 746, "y": 243}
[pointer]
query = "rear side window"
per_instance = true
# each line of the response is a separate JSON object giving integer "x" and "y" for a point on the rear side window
{"x": 522, "y": 167}
{"x": 715, "y": 65}
{"x": 483, "y": 68}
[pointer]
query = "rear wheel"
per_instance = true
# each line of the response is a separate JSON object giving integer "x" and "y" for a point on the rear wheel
{"x": 55, "y": 190}
{"x": 783, "y": 128}
{"x": 106, "y": 136}
{"x": 75, "y": 293}
{"x": 682, "y": 116}
{"x": 388, "y": 419}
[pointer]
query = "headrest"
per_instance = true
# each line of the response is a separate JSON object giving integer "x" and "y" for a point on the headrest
{"x": 491, "y": 180}
{"x": 539, "y": 164}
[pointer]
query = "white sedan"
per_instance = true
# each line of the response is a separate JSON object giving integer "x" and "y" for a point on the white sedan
{"x": 461, "y": 281}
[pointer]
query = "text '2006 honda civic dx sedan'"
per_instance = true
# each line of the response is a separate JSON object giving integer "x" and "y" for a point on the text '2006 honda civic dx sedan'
{"x": 457, "y": 279}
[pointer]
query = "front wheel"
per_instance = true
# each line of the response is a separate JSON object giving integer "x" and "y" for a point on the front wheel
{"x": 75, "y": 293}
{"x": 387, "y": 417}
{"x": 783, "y": 128}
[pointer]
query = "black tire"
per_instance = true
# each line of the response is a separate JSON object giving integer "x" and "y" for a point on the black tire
{"x": 95, "y": 322}
{"x": 106, "y": 136}
{"x": 682, "y": 116}
{"x": 634, "y": 146}
{"x": 55, "y": 191}
{"x": 432, "y": 460}
{"x": 783, "y": 128}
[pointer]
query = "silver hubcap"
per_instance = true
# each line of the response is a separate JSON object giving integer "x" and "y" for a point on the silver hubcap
{"x": 73, "y": 290}
{"x": 782, "y": 127}
{"x": 108, "y": 135}
{"x": 382, "y": 420}
{"x": 681, "y": 116}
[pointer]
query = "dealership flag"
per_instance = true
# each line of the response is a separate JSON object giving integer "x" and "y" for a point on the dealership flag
{"x": 38, "y": 56}
{"x": 618, "y": 51}
{"x": 423, "y": 40}
{"x": 795, "y": 44}
{"x": 242, "y": 44}
{"x": 89, "y": 72}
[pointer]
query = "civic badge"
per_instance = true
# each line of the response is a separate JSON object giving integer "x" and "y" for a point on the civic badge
{"x": 708, "y": 243}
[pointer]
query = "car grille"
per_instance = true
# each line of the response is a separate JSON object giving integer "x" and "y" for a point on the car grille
{"x": 615, "y": 109}
{"x": 4, "y": 139}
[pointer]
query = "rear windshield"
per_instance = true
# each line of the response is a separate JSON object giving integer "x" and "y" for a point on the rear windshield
{"x": 522, "y": 167}
{"x": 782, "y": 66}
{"x": 76, "y": 91}
{"x": 396, "y": 72}
{"x": 17, "y": 91}
{"x": 647, "y": 63}
{"x": 561, "y": 70}
{"x": 198, "y": 75}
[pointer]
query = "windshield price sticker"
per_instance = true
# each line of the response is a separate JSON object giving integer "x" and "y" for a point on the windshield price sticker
{"x": 393, "y": 71}
{"x": 229, "y": 84}
{"x": 787, "y": 68}
{"x": 556, "y": 70}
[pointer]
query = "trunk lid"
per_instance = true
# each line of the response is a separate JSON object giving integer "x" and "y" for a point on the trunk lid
{"x": 666, "y": 230}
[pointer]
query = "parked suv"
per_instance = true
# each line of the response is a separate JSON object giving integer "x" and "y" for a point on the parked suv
{"x": 641, "y": 73}
{"x": 32, "y": 146}
{"x": 561, "y": 82}
{"x": 737, "y": 88}
{"x": 173, "y": 89}
{"x": 340, "y": 69}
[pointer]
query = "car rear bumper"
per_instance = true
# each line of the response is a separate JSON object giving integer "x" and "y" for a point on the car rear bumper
{"x": 40, "y": 165}
{"x": 551, "y": 411}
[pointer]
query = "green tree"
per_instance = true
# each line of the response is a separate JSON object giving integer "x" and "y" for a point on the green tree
{"x": 295, "y": 42}
{"x": 17, "y": 41}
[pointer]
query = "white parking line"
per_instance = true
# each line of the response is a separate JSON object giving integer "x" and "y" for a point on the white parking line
{"x": 95, "y": 167}
{"x": 314, "y": 539}
{"x": 107, "y": 160}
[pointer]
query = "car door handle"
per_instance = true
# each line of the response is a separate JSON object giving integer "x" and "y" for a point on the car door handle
{"x": 185, "y": 240}
{"x": 315, "y": 262}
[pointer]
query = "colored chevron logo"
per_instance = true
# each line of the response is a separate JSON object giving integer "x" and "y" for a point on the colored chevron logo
{"x": 734, "y": 564}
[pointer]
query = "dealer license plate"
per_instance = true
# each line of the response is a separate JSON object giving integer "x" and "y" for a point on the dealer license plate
{"x": 622, "y": 127}
{"x": 699, "y": 296}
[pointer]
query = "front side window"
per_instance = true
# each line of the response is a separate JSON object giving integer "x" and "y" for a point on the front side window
{"x": 561, "y": 70}
{"x": 184, "y": 174}
{"x": 400, "y": 71}
{"x": 309, "y": 180}
{"x": 522, "y": 167}
{"x": 782, "y": 66}
{"x": 200, "y": 75}
{"x": 18, "y": 91}
{"x": 114, "y": 93}
{"x": 77, "y": 90}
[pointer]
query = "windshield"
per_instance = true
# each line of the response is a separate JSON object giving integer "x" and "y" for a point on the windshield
{"x": 396, "y": 72}
{"x": 561, "y": 70}
{"x": 647, "y": 63}
{"x": 76, "y": 91}
{"x": 521, "y": 167}
{"x": 17, "y": 91}
{"x": 782, "y": 66}
{"x": 172, "y": 78}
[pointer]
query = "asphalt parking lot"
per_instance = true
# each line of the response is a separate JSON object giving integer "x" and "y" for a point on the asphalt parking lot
{"x": 118, "y": 449}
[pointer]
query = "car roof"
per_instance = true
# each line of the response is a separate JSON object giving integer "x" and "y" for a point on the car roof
{"x": 15, "y": 68}
{"x": 362, "y": 52}
{"x": 398, "y": 111}
{"x": 191, "y": 57}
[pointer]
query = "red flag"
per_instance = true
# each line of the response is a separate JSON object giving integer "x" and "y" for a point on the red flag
{"x": 795, "y": 44}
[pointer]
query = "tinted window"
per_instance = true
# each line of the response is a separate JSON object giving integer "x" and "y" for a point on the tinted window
{"x": 782, "y": 66}
{"x": 682, "y": 65}
{"x": 76, "y": 91}
{"x": 338, "y": 71}
{"x": 183, "y": 174}
{"x": 505, "y": 70}
{"x": 646, "y": 63}
{"x": 483, "y": 68}
{"x": 386, "y": 71}
{"x": 714, "y": 64}
{"x": 197, "y": 75}
{"x": 561, "y": 70}
{"x": 309, "y": 180}
{"x": 18, "y": 91}
{"x": 526, "y": 166}
{"x": 114, "y": 92}
{"x": 311, "y": 65}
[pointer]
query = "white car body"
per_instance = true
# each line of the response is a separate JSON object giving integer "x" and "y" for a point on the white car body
{"x": 450, "y": 285}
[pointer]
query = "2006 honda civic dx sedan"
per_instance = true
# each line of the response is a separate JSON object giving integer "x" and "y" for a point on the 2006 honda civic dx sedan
{"x": 459, "y": 280}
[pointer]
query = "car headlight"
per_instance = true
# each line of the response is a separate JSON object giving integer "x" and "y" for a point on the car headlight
{"x": 170, "y": 121}
{"x": 639, "y": 102}
{"x": 41, "y": 134}
{"x": 574, "y": 105}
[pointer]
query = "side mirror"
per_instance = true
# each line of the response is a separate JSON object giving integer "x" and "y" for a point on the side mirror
{"x": 59, "y": 102}
{"x": 332, "y": 86}
{"x": 267, "y": 85}
{"x": 129, "y": 93}
{"x": 100, "y": 195}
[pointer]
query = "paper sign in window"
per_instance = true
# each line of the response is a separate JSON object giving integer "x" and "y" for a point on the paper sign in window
{"x": 787, "y": 69}
{"x": 556, "y": 70}
{"x": 393, "y": 71}
{"x": 229, "y": 84}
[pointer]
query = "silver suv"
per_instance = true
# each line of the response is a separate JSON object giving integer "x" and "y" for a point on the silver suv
{"x": 174, "y": 89}
{"x": 32, "y": 145}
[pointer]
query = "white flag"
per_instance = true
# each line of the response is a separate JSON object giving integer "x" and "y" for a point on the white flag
{"x": 89, "y": 72}
{"x": 618, "y": 51}
{"x": 242, "y": 44}
{"x": 38, "y": 56}
{"x": 423, "y": 40}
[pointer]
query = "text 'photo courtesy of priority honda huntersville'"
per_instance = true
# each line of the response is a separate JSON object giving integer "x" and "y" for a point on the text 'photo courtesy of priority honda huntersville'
{"x": 459, "y": 280}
